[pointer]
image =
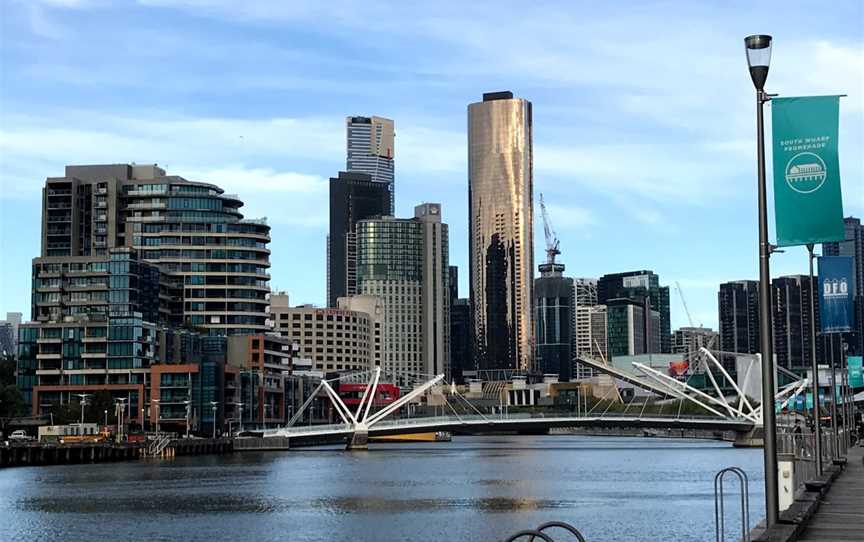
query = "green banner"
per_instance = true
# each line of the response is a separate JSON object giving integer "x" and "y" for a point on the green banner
{"x": 856, "y": 371}
{"x": 808, "y": 205}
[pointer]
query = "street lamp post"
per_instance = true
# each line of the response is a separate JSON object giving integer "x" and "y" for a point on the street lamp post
{"x": 106, "y": 417}
{"x": 758, "y": 48}
{"x": 121, "y": 402}
{"x": 83, "y": 402}
{"x": 156, "y": 406}
{"x": 214, "y": 407}
{"x": 814, "y": 367}
{"x": 188, "y": 404}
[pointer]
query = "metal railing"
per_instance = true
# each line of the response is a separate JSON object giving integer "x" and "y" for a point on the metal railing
{"x": 532, "y": 534}
{"x": 720, "y": 503}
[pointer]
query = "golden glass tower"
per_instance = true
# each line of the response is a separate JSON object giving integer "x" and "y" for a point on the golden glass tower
{"x": 501, "y": 230}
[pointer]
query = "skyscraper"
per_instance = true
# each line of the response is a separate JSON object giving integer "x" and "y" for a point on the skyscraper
{"x": 405, "y": 263}
{"x": 554, "y": 305}
{"x": 791, "y": 318}
{"x": 501, "y": 231}
{"x": 353, "y": 197}
{"x": 370, "y": 149}
{"x": 853, "y": 246}
{"x": 640, "y": 286}
{"x": 738, "y": 313}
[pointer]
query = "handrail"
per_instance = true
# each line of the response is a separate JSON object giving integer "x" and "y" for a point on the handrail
{"x": 719, "y": 504}
{"x": 561, "y": 525}
{"x": 529, "y": 532}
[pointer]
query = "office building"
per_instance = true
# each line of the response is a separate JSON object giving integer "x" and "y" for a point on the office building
{"x": 353, "y": 197}
{"x": 370, "y": 150}
{"x": 9, "y": 334}
{"x": 501, "y": 231}
{"x": 554, "y": 300}
{"x": 334, "y": 340}
{"x": 214, "y": 263}
{"x": 626, "y": 330}
{"x": 642, "y": 287}
{"x": 738, "y": 315}
{"x": 460, "y": 339}
{"x": 405, "y": 263}
{"x": 853, "y": 246}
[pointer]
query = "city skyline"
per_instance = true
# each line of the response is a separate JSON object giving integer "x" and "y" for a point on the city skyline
{"x": 683, "y": 153}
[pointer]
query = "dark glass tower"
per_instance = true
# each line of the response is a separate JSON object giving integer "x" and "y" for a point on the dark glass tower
{"x": 353, "y": 197}
{"x": 554, "y": 305}
{"x": 738, "y": 312}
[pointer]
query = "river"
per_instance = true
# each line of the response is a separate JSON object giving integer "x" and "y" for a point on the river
{"x": 474, "y": 488}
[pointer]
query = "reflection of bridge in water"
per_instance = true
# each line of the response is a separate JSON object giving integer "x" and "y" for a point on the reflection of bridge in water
{"x": 738, "y": 415}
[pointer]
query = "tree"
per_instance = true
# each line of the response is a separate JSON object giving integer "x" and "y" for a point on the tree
{"x": 11, "y": 402}
{"x": 7, "y": 370}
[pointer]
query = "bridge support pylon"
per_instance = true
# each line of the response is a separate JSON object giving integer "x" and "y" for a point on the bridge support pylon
{"x": 749, "y": 439}
{"x": 359, "y": 440}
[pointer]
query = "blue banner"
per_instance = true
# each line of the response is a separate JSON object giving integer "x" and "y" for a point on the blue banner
{"x": 835, "y": 293}
{"x": 856, "y": 371}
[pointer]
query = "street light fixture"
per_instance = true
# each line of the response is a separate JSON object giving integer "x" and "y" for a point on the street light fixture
{"x": 214, "y": 406}
{"x": 188, "y": 404}
{"x": 758, "y": 48}
{"x": 758, "y": 58}
{"x": 121, "y": 410}
{"x": 83, "y": 402}
{"x": 240, "y": 415}
{"x": 156, "y": 406}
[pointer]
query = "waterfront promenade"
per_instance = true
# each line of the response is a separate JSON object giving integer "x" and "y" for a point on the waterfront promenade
{"x": 841, "y": 514}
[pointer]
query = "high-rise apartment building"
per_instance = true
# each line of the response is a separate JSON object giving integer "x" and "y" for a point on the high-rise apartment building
{"x": 589, "y": 326}
{"x": 370, "y": 150}
{"x": 405, "y": 263}
{"x": 853, "y": 246}
{"x": 738, "y": 314}
{"x": 688, "y": 340}
{"x": 641, "y": 287}
{"x": 792, "y": 320}
{"x": 214, "y": 263}
{"x": 353, "y": 197}
{"x": 501, "y": 231}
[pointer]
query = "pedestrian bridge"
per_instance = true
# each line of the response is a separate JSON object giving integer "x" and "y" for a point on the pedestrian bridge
{"x": 474, "y": 424}
{"x": 359, "y": 423}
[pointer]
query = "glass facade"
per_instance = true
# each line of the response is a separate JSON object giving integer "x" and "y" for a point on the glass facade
{"x": 501, "y": 250}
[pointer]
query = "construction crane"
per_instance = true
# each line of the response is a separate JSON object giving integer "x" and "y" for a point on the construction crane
{"x": 684, "y": 302}
{"x": 552, "y": 241}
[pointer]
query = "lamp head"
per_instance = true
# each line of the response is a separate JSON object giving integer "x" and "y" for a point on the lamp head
{"x": 758, "y": 47}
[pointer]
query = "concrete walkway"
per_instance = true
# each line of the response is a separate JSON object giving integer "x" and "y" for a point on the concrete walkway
{"x": 841, "y": 514}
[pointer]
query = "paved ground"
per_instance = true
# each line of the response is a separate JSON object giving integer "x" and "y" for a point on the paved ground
{"x": 841, "y": 515}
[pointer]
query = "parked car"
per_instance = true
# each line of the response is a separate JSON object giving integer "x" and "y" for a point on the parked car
{"x": 20, "y": 436}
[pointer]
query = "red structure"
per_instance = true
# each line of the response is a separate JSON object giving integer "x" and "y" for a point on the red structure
{"x": 384, "y": 394}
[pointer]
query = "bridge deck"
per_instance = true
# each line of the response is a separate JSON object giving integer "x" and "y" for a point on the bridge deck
{"x": 841, "y": 514}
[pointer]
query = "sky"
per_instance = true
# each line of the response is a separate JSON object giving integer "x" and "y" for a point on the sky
{"x": 644, "y": 130}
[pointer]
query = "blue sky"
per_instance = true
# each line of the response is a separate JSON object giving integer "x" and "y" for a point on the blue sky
{"x": 643, "y": 116}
